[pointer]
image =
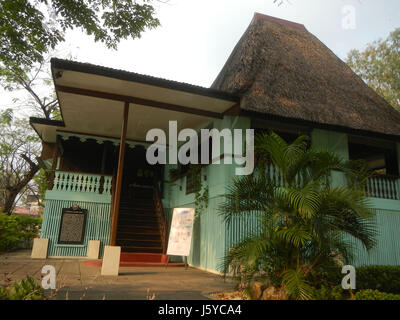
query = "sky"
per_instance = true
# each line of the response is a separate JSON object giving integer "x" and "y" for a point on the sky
{"x": 197, "y": 36}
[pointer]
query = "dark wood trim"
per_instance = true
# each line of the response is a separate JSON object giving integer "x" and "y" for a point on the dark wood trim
{"x": 233, "y": 111}
{"x": 47, "y": 122}
{"x": 82, "y": 172}
{"x": 59, "y": 145}
{"x": 107, "y": 137}
{"x": 53, "y": 168}
{"x": 139, "y": 101}
{"x": 118, "y": 187}
{"x": 104, "y": 158}
{"x": 160, "y": 217}
{"x": 385, "y": 176}
{"x": 316, "y": 125}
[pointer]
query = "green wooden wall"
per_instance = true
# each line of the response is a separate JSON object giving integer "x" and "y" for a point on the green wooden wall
{"x": 209, "y": 244}
{"x": 97, "y": 227}
{"x": 387, "y": 250}
{"x": 83, "y": 190}
{"x": 212, "y": 237}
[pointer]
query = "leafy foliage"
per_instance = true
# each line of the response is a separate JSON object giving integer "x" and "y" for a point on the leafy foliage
{"x": 15, "y": 228}
{"x": 297, "y": 285}
{"x": 42, "y": 181}
{"x": 28, "y": 226}
{"x": 25, "y": 289}
{"x": 9, "y": 232}
{"x": 29, "y": 29}
{"x": 379, "y": 66}
{"x": 382, "y": 278}
{"x": 201, "y": 191}
{"x": 302, "y": 218}
{"x": 329, "y": 293}
{"x": 375, "y": 295}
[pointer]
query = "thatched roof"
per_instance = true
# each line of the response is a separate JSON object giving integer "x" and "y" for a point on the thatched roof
{"x": 279, "y": 68}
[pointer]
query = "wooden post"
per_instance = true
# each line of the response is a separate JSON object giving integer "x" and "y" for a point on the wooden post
{"x": 118, "y": 186}
{"x": 53, "y": 168}
{"x": 103, "y": 159}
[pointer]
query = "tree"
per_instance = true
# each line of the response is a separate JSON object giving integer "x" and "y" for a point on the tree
{"x": 303, "y": 220}
{"x": 29, "y": 31}
{"x": 36, "y": 81}
{"x": 379, "y": 66}
{"x": 19, "y": 146}
{"x": 31, "y": 28}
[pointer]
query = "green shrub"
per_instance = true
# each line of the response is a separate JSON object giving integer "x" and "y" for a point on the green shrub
{"x": 329, "y": 293}
{"x": 326, "y": 277}
{"x": 29, "y": 226}
{"x": 375, "y": 295}
{"x": 9, "y": 232}
{"x": 16, "y": 229}
{"x": 382, "y": 278}
{"x": 25, "y": 289}
{"x": 3, "y": 293}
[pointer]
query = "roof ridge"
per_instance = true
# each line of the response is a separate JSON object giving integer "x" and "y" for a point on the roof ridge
{"x": 260, "y": 16}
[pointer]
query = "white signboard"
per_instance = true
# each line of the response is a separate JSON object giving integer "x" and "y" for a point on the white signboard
{"x": 180, "y": 235}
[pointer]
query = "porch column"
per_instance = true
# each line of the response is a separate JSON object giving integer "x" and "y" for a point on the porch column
{"x": 53, "y": 166}
{"x": 118, "y": 185}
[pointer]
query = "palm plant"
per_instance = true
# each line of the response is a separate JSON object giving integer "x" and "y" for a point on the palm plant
{"x": 303, "y": 220}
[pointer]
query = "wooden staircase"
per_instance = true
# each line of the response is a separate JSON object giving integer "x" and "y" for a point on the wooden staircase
{"x": 139, "y": 227}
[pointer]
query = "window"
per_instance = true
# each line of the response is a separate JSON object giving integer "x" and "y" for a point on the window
{"x": 192, "y": 185}
{"x": 380, "y": 157}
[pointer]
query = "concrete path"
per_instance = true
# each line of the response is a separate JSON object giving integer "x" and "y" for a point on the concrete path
{"x": 76, "y": 281}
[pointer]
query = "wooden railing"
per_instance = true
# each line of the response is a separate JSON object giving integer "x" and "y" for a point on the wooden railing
{"x": 274, "y": 174}
{"x": 383, "y": 186}
{"x": 69, "y": 181}
{"x": 160, "y": 217}
{"x": 378, "y": 186}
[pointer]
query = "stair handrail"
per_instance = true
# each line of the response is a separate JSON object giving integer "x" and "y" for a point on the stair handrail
{"x": 160, "y": 216}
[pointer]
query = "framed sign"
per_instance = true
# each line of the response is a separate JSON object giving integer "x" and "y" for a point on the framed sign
{"x": 72, "y": 226}
{"x": 180, "y": 235}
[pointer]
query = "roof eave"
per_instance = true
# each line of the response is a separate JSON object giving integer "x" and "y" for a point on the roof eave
{"x": 140, "y": 78}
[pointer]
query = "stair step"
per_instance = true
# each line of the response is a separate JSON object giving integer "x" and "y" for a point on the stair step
{"x": 129, "y": 247}
{"x": 130, "y": 234}
{"x": 151, "y": 217}
{"x": 143, "y": 257}
{"x": 143, "y": 211}
{"x": 137, "y": 197}
{"x": 146, "y": 242}
{"x": 142, "y": 243}
{"x": 136, "y": 264}
{"x": 138, "y": 249}
{"x": 140, "y": 233}
{"x": 133, "y": 220}
{"x": 137, "y": 226}
{"x": 137, "y": 212}
{"x": 128, "y": 225}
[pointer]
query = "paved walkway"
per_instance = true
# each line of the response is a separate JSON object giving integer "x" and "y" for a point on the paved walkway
{"x": 77, "y": 281}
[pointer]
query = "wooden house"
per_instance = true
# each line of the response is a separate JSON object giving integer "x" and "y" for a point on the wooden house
{"x": 279, "y": 77}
